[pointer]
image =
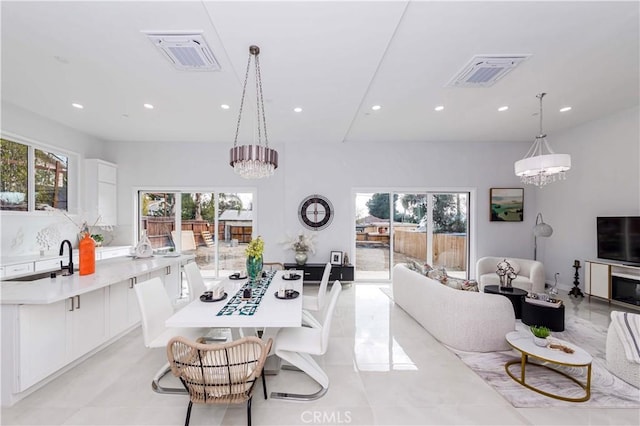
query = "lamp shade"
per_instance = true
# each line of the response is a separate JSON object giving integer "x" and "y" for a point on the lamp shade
{"x": 547, "y": 164}
{"x": 542, "y": 229}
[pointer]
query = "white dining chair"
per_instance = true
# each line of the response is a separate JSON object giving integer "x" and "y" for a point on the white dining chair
{"x": 296, "y": 345}
{"x": 155, "y": 307}
{"x": 195, "y": 282}
{"x": 316, "y": 303}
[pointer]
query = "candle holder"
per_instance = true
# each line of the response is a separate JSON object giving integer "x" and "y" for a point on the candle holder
{"x": 575, "y": 291}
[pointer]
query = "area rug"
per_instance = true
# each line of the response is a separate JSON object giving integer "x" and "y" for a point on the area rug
{"x": 607, "y": 390}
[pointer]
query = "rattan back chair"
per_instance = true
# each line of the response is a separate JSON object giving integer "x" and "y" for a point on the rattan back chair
{"x": 219, "y": 373}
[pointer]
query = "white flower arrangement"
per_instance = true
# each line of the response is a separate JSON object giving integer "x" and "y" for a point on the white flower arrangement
{"x": 302, "y": 242}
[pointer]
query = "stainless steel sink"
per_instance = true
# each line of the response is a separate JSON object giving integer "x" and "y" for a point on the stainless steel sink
{"x": 38, "y": 276}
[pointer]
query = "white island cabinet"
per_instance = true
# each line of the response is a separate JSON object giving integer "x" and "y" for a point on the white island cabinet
{"x": 49, "y": 325}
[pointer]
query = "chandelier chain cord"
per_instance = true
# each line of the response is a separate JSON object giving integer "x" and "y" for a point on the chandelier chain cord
{"x": 261, "y": 100}
{"x": 258, "y": 102}
{"x": 244, "y": 89}
{"x": 540, "y": 96}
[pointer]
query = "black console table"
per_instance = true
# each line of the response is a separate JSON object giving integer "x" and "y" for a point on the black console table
{"x": 313, "y": 272}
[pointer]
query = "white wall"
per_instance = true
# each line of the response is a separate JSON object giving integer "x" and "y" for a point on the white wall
{"x": 19, "y": 230}
{"x": 604, "y": 181}
{"x": 333, "y": 171}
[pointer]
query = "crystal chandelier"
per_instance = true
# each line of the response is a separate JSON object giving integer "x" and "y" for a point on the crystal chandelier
{"x": 541, "y": 165}
{"x": 254, "y": 161}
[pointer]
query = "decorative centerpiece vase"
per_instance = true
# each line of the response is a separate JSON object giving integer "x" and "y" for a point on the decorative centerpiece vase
{"x": 540, "y": 334}
{"x": 301, "y": 257}
{"x": 254, "y": 267}
{"x": 540, "y": 341}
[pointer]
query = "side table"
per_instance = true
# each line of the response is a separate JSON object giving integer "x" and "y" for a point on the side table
{"x": 547, "y": 316}
{"x": 515, "y": 295}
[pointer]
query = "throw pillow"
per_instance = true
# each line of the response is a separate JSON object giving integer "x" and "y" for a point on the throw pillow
{"x": 453, "y": 283}
{"x": 413, "y": 265}
{"x": 470, "y": 285}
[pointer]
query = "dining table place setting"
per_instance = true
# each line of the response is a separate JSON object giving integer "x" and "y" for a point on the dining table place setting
{"x": 247, "y": 300}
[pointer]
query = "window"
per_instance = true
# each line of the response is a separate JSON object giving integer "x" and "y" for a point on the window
{"x": 214, "y": 226}
{"x": 424, "y": 227}
{"x": 32, "y": 178}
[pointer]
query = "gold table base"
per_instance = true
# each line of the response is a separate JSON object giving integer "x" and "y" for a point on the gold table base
{"x": 525, "y": 360}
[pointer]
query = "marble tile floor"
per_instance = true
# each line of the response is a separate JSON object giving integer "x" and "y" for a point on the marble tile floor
{"x": 384, "y": 370}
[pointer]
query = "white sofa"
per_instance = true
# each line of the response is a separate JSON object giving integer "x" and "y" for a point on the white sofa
{"x": 464, "y": 320}
{"x": 530, "y": 274}
{"x": 616, "y": 360}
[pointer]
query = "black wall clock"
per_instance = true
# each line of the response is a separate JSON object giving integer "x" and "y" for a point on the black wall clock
{"x": 315, "y": 212}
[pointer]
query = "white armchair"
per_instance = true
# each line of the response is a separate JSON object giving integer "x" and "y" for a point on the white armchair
{"x": 530, "y": 273}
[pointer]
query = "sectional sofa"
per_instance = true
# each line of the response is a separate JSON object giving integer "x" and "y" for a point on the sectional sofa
{"x": 464, "y": 320}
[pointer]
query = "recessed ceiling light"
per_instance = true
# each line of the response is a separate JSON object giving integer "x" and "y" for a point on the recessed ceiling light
{"x": 224, "y": 106}
{"x": 439, "y": 108}
{"x": 376, "y": 107}
{"x": 148, "y": 106}
{"x": 503, "y": 108}
{"x": 75, "y": 105}
{"x": 297, "y": 109}
{"x": 565, "y": 109}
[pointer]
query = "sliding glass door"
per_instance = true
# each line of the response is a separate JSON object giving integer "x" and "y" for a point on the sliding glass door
{"x": 399, "y": 227}
{"x": 213, "y": 226}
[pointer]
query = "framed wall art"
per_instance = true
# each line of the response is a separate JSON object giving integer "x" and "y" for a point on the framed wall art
{"x": 336, "y": 258}
{"x": 506, "y": 204}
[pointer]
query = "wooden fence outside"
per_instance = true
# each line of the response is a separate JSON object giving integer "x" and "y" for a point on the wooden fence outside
{"x": 159, "y": 230}
{"x": 449, "y": 250}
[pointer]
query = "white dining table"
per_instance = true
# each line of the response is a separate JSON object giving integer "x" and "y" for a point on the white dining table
{"x": 271, "y": 314}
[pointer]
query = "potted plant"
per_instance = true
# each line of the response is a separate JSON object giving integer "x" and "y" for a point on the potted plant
{"x": 540, "y": 334}
{"x": 301, "y": 244}
{"x": 98, "y": 238}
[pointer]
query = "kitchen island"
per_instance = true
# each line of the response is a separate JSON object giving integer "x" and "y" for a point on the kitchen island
{"x": 49, "y": 325}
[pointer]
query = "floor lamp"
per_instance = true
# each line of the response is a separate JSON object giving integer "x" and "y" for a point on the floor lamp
{"x": 540, "y": 230}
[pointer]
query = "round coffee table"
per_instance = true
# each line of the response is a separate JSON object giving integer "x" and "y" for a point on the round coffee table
{"x": 523, "y": 343}
{"x": 515, "y": 295}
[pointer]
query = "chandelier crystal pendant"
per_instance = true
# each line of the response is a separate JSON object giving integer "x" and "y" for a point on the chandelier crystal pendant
{"x": 541, "y": 165}
{"x": 254, "y": 161}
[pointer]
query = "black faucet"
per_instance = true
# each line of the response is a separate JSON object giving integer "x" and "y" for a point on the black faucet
{"x": 69, "y": 266}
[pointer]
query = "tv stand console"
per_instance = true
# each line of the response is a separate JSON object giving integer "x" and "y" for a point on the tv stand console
{"x": 615, "y": 282}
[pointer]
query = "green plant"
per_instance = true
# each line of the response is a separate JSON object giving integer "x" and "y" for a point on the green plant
{"x": 98, "y": 238}
{"x": 540, "y": 331}
{"x": 255, "y": 248}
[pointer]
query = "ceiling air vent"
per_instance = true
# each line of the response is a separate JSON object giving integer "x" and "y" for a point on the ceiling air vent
{"x": 185, "y": 51}
{"x": 486, "y": 70}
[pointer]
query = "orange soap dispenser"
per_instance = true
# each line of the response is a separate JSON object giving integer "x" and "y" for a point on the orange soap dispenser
{"x": 87, "y": 248}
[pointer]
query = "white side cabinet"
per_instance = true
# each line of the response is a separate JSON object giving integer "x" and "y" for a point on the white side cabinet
{"x": 43, "y": 341}
{"x": 597, "y": 279}
{"x": 123, "y": 306}
{"x": 53, "y": 335}
{"x": 100, "y": 190}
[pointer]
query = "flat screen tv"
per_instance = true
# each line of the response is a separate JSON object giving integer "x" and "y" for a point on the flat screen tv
{"x": 619, "y": 238}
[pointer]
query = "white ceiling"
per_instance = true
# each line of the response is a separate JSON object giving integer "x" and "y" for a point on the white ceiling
{"x": 333, "y": 59}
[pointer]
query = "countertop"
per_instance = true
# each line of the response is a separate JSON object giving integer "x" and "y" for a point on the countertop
{"x": 12, "y": 260}
{"x": 51, "y": 290}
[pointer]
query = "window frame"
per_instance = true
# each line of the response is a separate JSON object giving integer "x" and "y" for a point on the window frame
{"x": 73, "y": 175}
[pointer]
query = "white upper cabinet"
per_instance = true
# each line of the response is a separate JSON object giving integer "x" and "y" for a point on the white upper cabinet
{"x": 100, "y": 191}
